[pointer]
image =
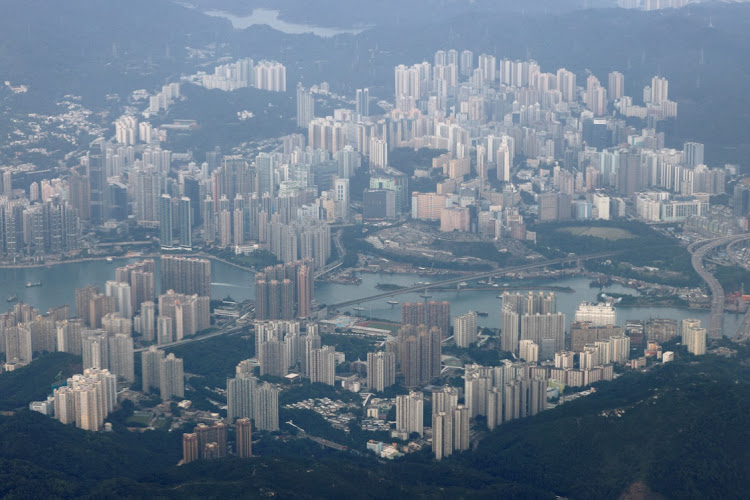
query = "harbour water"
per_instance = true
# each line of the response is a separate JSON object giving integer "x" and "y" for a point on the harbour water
{"x": 59, "y": 283}
{"x": 271, "y": 18}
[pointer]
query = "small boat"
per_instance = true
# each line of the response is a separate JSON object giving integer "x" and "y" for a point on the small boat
{"x": 393, "y": 302}
{"x": 110, "y": 259}
{"x": 358, "y": 308}
{"x": 463, "y": 283}
{"x": 483, "y": 313}
{"x": 12, "y": 298}
{"x": 30, "y": 284}
{"x": 426, "y": 296}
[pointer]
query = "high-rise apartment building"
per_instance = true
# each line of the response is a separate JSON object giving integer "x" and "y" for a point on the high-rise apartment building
{"x": 431, "y": 314}
{"x": 410, "y": 413}
{"x": 240, "y": 393}
{"x": 69, "y": 336}
{"x": 532, "y": 316}
{"x": 271, "y": 358}
{"x": 661, "y": 330}
{"x": 305, "y": 106}
{"x": 99, "y": 306}
{"x": 185, "y": 219}
{"x": 616, "y": 87}
{"x": 599, "y": 314}
{"x": 693, "y": 336}
{"x": 212, "y": 440}
{"x": 419, "y": 351}
{"x": 693, "y": 154}
{"x": 87, "y": 399}
{"x": 95, "y": 349}
{"x": 97, "y": 176}
{"x": 141, "y": 278}
{"x": 363, "y": 102}
{"x": 277, "y": 293}
{"x": 659, "y": 90}
{"x": 18, "y": 344}
{"x": 322, "y": 365}
{"x": 381, "y": 370}
{"x": 465, "y": 329}
{"x": 244, "y": 442}
{"x": 171, "y": 378}
{"x": 190, "y": 451}
{"x": 166, "y": 225}
{"x": 270, "y": 75}
{"x": 529, "y": 350}
{"x": 509, "y": 328}
{"x": 121, "y": 362}
{"x": 187, "y": 275}
{"x": 151, "y": 361}
{"x": 190, "y": 314}
{"x": 444, "y": 402}
{"x": 466, "y": 63}
{"x": 83, "y": 300}
{"x": 147, "y": 321}
{"x": 583, "y": 333}
{"x": 266, "y": 407}
{"x": 123, "y": 296}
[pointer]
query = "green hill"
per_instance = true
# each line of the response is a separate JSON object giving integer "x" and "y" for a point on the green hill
{"x": 679, "y": 431}
{"x": 33, "y": 382}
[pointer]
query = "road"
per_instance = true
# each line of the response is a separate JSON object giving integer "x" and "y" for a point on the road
{"x": 743, "y": 332}
{"x": 190, "y": 340}
{"x": 323, "y": 442}
{"x": 471, "y": 277}
{"x": 716, "y": 322}
{"x": 740, "y": 261}
{"x": 336, "y": 264}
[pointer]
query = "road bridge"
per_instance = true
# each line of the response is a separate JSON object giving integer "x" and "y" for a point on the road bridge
{"x": 716, "y": 322}
{"x": 471, "y": 277}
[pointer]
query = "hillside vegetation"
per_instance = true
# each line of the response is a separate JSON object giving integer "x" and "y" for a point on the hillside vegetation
{"x": 679, "y": 431}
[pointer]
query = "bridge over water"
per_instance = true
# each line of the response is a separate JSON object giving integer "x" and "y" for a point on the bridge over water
{"x": 471, "y": 277}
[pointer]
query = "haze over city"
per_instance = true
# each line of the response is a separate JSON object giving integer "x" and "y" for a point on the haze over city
{"x": 375, "y": 249}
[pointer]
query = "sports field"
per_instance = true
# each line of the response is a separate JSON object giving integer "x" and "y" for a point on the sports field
{"x": 605, "y": 233}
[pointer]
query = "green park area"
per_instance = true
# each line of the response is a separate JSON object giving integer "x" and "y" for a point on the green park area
{"x": 635, "y": 246}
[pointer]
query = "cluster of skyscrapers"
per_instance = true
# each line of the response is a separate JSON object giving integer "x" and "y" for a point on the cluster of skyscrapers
{"x": 504, "y": 392}
{"x": 23, "y": 332}
{"x": 280, "y": 347}
{"x": 265, "y": 75}
{"x": 431, "y": 314}
{"x": 534, "y": 317}
{"x": 418, "y": 350}
{"x": 285, "y": 291}
{"x": 39, "y": 226}
{"x": 206, "y": 442}
{"x": 245, "y": 204}
{"x": 450, "y": 423}
{"x": 165, "y": 373}
{"x": 87, "y": 399}
{"x": 248, "y": 398}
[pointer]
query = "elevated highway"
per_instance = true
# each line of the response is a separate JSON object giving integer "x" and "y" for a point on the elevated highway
{"x": 699, "y": 251}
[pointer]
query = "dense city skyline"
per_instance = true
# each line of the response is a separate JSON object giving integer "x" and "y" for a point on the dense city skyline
{"x": 337, "y": 247}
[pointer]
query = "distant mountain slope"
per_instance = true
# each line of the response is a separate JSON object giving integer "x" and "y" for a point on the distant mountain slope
{"x": 92, "y": 47}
